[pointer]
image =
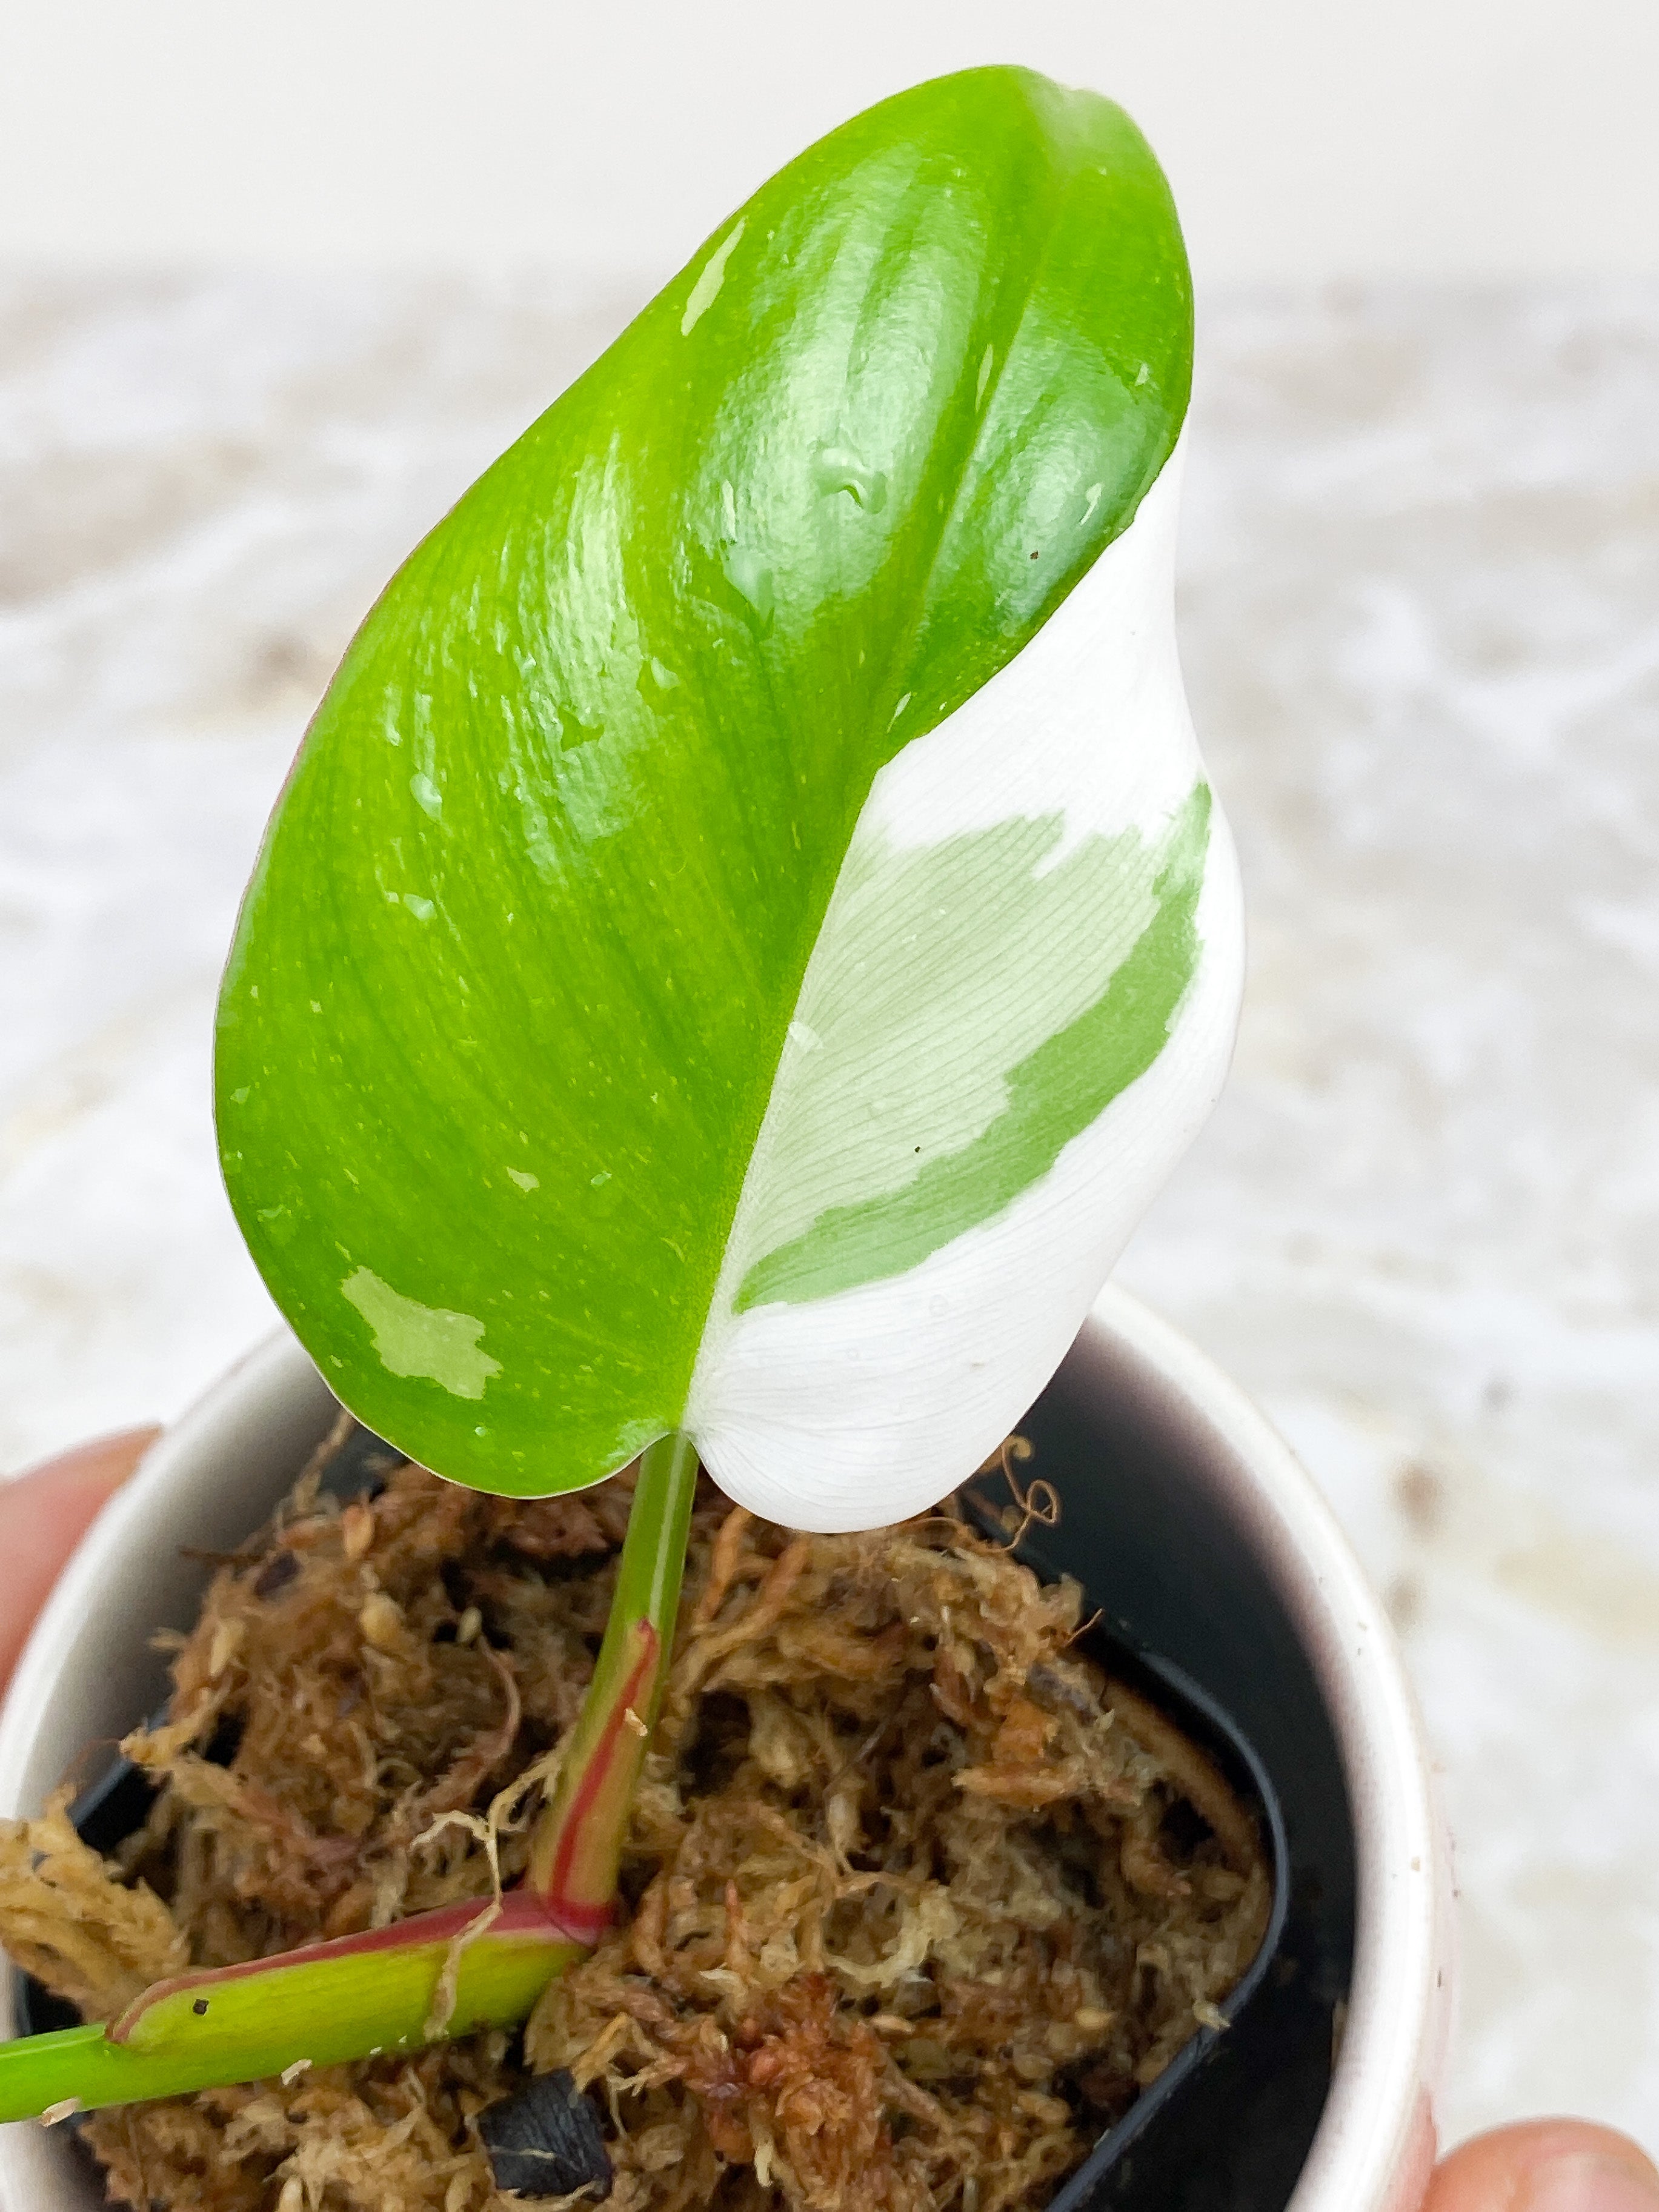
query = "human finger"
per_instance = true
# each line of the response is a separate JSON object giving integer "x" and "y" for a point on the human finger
{"x": 1545, "y": 2165}
{"x": 42, "y": 1517}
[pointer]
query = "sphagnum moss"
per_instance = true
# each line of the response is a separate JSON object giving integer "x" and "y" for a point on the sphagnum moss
{"x": 914, "y": 1898}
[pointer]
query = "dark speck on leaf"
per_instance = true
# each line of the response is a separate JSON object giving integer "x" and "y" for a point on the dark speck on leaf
{"x": 199, "y": 2006}
{"x": 546, "y": 2141}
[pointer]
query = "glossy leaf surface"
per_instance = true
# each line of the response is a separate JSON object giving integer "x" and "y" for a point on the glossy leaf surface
{"x": 737, "y": 869}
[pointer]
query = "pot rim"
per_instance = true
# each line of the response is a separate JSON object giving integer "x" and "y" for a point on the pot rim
{"x": 1375, "y": 2143}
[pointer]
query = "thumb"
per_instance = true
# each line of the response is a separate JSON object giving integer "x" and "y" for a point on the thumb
{"x": 1545, "y": 2165}
{"x": 42, "y": 1517}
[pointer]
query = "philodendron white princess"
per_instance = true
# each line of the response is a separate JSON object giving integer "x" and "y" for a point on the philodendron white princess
{"x": 744, "y": 938}
{"x": 747, "y": 932}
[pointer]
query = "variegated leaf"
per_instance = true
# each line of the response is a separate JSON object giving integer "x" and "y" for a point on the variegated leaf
{"x": 748, "y": 932}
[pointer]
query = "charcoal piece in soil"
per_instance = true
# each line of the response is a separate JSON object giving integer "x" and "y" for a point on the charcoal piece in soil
{"x": 546, "y": 2141}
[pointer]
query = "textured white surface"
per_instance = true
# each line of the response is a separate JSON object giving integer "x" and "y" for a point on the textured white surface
{"x": 1421, "y": 561}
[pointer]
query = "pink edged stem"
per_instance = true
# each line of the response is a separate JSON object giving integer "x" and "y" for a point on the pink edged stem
{"x": 577, "y": 1846}
{"x": 319, "y": 2006}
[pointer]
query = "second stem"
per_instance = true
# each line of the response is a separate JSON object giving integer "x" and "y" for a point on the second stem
{"x": 577, "y": 1847}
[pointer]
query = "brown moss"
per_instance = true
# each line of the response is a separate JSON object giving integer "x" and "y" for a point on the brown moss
{"x": 906, "y": 1918}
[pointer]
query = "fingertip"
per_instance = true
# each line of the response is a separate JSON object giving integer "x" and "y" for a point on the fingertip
{"x": 1547, "y": 2165}
{"x": 103, "y": 1460}
{"x": 45, "y": 1513}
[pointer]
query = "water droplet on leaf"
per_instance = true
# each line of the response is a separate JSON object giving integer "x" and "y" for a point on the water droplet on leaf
{"x": 838, "y": 469}
{"x": 751, "y": 581}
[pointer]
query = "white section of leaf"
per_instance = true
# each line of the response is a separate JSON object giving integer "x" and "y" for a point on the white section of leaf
{"x": 1089, "y": 721}
{"x": 430, "y": 1342}
{"x": 711, "y": 276}
{"x": 853, "y": 1410}
{"x": 927, "y": 989}
{"x": 939, "y": 971}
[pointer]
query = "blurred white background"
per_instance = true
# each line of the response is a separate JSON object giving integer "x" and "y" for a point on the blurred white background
{"x": 276, "y": 282}
{"x": 1306, "y": 139}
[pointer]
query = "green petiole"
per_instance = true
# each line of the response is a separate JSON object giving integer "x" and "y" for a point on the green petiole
{"x": 577, "y": 1846}
{"x": 329, "y": 2002}
{"x": 442, "y": 1974}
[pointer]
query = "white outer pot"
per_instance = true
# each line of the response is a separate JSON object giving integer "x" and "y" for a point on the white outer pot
{"x": 87, "y": 1676}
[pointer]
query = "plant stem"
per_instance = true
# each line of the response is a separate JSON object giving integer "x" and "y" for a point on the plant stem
{"x": 577, "y": 1846}
{"x": 349, "y": 1998}
{"x": 325, "y": 2004}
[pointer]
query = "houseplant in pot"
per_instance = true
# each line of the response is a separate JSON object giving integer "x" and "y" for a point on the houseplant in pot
{"x": 745, "y": 937}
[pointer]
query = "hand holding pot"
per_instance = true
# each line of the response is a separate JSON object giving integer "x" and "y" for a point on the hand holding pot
{"x": 44, "y": 1514}
{"x": 1547, "y": 2165}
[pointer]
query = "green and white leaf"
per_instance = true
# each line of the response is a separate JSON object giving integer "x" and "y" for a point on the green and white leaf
{"x": 747, "y": 932}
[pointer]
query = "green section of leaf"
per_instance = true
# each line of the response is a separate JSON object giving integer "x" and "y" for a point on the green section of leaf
{"x": 514, "y": 973}
{"x": 940, "y": 968}
{"x": 1143, "y": 903}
